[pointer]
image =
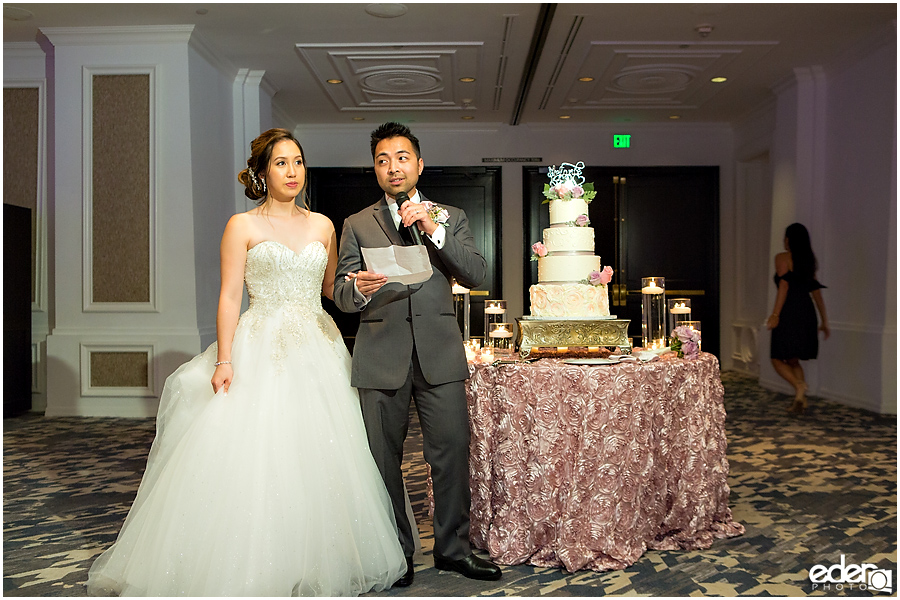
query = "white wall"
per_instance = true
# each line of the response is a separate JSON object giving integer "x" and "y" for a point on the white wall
{"x": 214, "y": 178}
{"x": 856, "y": 246}
{"x": 168, "y": 330}
{"x": 833, "y": 164}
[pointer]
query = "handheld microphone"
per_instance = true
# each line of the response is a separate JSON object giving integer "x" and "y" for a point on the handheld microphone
{"x": 400, "y": 198}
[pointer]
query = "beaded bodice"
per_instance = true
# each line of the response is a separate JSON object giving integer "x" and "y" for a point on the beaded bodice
{"x": 280, "y": 279}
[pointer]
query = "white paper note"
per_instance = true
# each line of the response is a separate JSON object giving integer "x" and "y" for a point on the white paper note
{"x": 401, "y": 264}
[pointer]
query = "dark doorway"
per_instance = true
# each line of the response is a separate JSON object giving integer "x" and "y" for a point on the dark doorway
{"x": 648, "y": 221}
{"x": 340, "y": 192}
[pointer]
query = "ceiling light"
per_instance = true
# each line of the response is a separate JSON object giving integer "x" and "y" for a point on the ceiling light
{"x": 585, "y": 79}
{"x": 467, "y": 117}
{"x": 467, "y": 79}
{"x": 334, "y": 81}
{"x": 202, "y": 11}
{"x": 674, "y": 117}
{"x": 565, "y": 116}
{"x": 704, "y": 29}
{"x": 386, "y": 11}
{"x": 719, "y": 79}
{"x": 14, "y": 13}
{"x": 359, "y": 118}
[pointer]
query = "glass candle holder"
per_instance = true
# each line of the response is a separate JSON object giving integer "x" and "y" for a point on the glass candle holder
{"x": 678, "y": 310}
{"x": 461, "y": 307}
{"x": 653, "y": 312}
{"x": 501, "y": 336}
{"x": 494, "y": 312}
{"x": 695, "y": 325}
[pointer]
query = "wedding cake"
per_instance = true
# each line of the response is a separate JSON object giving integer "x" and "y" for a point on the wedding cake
{"x": 571, "y": 280}
{"x": 570, "y": 302}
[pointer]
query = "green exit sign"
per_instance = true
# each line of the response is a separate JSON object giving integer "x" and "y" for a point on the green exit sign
{"x": 621, "y": 141}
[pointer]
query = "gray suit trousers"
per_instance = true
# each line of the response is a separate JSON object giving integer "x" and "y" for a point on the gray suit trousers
{"x": 445, "y": 430}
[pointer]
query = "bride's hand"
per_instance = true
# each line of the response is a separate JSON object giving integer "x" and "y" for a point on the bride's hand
{"x": 222, "y": 378}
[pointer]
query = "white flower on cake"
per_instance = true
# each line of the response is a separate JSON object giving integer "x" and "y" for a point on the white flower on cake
{"x": 567, "y": 183}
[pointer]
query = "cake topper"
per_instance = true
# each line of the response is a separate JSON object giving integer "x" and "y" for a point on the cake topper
{"x": 566, "y": 172}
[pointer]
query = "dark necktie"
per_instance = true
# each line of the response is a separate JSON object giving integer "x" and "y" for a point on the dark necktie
{"x": 405, "y": 235}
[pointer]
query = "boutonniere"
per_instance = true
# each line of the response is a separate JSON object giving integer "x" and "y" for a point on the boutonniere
{"x": 437, "y": 213}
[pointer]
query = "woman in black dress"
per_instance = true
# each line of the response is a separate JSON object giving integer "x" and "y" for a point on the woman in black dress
{"x": 793, "y": 320}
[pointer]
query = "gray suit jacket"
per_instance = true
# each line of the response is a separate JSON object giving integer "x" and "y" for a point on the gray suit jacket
{"x": 399, "y": 316}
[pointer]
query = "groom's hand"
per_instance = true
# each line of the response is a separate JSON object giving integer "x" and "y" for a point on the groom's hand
{"x": 366, "y": 282}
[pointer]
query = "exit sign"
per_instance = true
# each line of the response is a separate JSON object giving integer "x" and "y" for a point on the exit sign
{"x": 621, "y": 141}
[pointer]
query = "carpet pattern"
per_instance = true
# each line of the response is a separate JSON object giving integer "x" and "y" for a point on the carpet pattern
{"x": 808, "y": 490}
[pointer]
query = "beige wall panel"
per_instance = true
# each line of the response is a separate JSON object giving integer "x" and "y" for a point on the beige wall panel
{"x": 20, "y": 158}
{"x": 121, "y": 188}
{"x": 119, "y": 369}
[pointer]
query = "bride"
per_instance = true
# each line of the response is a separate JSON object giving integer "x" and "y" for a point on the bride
{"x": 262, "y": 484}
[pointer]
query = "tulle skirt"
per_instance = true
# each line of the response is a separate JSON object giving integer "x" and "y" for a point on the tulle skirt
{"x": 269, "y": 490}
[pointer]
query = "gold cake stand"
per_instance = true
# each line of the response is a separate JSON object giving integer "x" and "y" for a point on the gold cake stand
{"x": 544, "y": 332}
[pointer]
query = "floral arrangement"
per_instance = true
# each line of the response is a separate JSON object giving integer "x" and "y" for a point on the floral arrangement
{"x": 437, "y": 213}
{"x": 538, "y": 250}
{"x": 599, "y": 277}
{"x": 567, "y": 183}
{"x": 685, "y": 342}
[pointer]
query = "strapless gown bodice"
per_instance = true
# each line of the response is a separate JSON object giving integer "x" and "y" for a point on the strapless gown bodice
{"x": 277, "y": 278}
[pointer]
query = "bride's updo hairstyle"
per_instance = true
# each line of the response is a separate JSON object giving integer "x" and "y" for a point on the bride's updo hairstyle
{"x": 253, "y": 177}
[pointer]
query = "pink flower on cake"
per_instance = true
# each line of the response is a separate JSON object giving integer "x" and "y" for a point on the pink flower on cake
{"x": 582, "y": 221}
{"x": 538, "y": 250}
{"x": 606, "y": 275}
{"x": 600, "y": 277}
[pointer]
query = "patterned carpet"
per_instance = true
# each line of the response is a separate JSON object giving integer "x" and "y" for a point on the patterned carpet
{"x": 808, "y": 490}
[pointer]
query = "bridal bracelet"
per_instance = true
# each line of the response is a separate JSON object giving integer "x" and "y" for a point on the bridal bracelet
{"x": 224, "y": 362}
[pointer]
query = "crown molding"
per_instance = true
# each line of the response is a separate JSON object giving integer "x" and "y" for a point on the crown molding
{"x": 23, "y": 50}
{"x": 212, "y": 54}
{"x": 118, "y": 36}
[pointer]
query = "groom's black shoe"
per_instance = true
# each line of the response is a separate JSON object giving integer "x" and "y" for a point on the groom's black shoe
{"x": 470, "y": 566}
{"x": 407, "y": 579}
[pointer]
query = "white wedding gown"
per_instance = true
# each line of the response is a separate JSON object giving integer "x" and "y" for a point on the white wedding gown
{"x": 269, "y": 490}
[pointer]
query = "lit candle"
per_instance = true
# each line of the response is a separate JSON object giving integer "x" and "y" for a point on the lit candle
{"x": 652, "y": 289}
{"x": 458, "y": 289}
{"x": 680, "y": 309}
{"x": 490, "y": 309}
{"x": 501, "y": 332}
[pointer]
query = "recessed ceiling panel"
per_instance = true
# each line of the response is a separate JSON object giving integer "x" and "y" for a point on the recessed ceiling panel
{"x": 654, "y": 75}
{"x": 419, "y": 76}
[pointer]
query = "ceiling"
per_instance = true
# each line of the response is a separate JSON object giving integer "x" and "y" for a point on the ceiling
{"x": 640, "y": 62}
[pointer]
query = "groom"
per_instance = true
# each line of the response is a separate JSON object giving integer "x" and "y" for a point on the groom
{"x": 409, "y": 347}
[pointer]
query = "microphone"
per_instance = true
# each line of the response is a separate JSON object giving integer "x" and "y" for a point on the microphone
{"x": 413, "y": 229}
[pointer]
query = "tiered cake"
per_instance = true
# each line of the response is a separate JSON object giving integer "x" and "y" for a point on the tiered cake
{"x": 570, "y": 303}
{"x": 568, "y": 269}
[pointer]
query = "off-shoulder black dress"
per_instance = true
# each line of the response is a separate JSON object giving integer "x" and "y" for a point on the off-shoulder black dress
{"x": 797, "y": 334}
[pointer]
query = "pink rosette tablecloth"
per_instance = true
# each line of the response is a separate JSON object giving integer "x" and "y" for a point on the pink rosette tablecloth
{"x": 586, "y": 467}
